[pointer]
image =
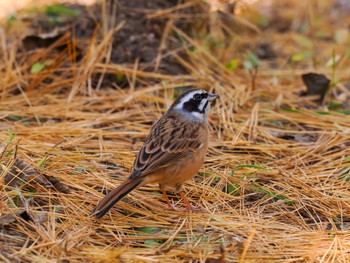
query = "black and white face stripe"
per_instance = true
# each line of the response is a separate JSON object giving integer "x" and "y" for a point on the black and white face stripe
{"x": 196, "y": 103}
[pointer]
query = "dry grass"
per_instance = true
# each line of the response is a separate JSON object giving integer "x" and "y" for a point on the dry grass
{"x": 275, "y": 186}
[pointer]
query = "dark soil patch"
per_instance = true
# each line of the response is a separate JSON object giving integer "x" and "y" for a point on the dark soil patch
{"x": 138, "y": 40}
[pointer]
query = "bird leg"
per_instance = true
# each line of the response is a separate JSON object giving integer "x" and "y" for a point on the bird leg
{"x": 171, "y": 207}
{"x": 188, "y": 205}
{"x": 167, "y": 199}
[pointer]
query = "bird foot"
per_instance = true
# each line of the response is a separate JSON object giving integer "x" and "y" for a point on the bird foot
{"x": 188, "y": 207}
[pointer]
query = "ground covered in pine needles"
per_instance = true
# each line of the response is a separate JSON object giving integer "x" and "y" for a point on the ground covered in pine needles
{"x": 81, "y": 87}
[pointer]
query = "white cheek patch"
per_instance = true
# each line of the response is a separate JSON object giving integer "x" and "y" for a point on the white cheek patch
{"x": 197, "y": 115}
{"x": 201, "y": 106}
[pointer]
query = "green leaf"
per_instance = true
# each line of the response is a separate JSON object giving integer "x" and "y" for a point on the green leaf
{"x": 214, "y": 42}
{"x": 41, "y": 163}
{"x": 258, "y": 167}
{"x": 152, "y": 242}
{"x": 80, "y": 169}
{"x": 149, "y": 230}
{"x": 120, "y": 77}
{"x": 334, "y": 83}
{"x": 155, "y": 193}
{"x": 204, "y": 174}
{"x": 54, "y": 20}
{"x": 233, "y": 64}
{"x": 304, "y": 41}
{"x": 254, "y": 59}
{"x": 334, "y": 104}
{"x": 9, "y": 152}
{"x": 248, "y": 65}
{"x": 264, "y": 21}
{"x": 323, "y": 112}
{"x": 11, "y": 19}
{"x": 216, "y": 179}
{"x": 345, "y": 175}
{"x": 232, "y": 189}
{"x": 298, "y": 57}
{"x": 183, "y": 40}
{"x": 61, "y": 10}
{"x": 346, "y": 112}
{"x": 37, "y": 67}
{"x": 17, "y": 200}
{"x": 11, "y": 134}
{"x": 274, "y": 195}
{"x": 15, "y": 118}
{"x": 285, "y": 199}
{"x": 333, "y": 61}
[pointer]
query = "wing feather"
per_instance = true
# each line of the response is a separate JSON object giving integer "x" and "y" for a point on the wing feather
{"x": 170, "y": 140}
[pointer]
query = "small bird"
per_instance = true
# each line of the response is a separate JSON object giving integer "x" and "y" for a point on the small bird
{"x": 172, "y": 153}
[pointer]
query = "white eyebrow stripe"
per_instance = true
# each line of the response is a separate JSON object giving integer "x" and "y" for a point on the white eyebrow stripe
{"x": 184, "y": 99}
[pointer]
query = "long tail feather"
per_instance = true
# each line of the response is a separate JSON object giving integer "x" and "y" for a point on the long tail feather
{"x": 114, "y": 196}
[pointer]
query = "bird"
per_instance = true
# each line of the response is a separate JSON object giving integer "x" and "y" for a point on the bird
{"x": 172, "y": 153}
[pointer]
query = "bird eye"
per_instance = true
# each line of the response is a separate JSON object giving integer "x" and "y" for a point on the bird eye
{"x": 197, "y": 96}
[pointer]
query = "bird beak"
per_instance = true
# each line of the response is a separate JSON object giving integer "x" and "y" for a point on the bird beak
{"x": 212, "y": 96}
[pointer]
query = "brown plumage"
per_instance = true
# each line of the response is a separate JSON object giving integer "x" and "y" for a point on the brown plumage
{"x": 172, "y": 153}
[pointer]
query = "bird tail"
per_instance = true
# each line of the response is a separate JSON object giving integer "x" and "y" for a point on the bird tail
{"x": 114, "y": 196}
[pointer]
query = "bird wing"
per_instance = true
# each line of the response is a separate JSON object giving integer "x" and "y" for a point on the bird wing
{"x": 170, "y": 140}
